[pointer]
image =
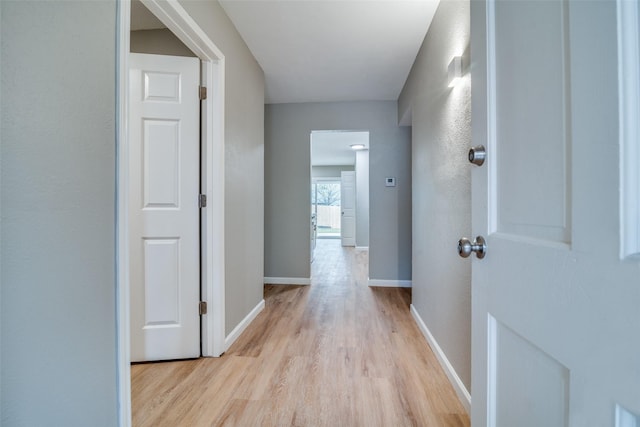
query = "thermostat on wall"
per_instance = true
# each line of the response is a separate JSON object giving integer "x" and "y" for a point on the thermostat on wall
{"x": 390, "y": 181}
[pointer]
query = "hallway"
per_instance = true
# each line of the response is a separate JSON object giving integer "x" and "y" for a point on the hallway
{"x": 336, "y": 353}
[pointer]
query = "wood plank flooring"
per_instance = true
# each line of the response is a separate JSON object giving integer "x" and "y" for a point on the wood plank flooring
{"x": 336, "y": 353}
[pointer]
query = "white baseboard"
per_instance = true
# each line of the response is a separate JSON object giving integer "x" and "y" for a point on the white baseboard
{"x": 238, "y": 330}
{"x": 389, "y": 283}
{"x": 287, "y": 280}
{"x": 456, "y": 382}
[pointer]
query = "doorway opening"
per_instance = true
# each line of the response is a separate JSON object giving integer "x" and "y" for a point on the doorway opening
{"x": 325, "y": 205}
{"x": 340, "y": 187}
{"x": 181, "y": 24}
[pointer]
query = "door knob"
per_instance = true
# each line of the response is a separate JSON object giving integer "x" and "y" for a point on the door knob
{"x": 479, "y": 246}
{"x": 477, "y": 155}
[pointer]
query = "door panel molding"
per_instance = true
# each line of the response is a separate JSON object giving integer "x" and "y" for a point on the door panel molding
{"x": 629, "y": 104}
{"x": 525, "y": 362}
{"x": 527, "y": 222}
{"x": 491, "y": 112}
{"x": 550, "y": 311}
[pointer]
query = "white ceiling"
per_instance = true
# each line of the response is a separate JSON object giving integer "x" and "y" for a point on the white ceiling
{"x": 332, "y": 50}
{"x": 333, "y": 148}
{"x": 327, "y": 50}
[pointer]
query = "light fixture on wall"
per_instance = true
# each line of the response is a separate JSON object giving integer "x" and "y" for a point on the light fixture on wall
{"x": 357, "y": 147}
{"x": 455, "y": 70}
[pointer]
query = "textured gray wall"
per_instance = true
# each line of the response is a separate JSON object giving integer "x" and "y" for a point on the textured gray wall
{"x": 244, "y": 162}
{"x": 159, "y": 42}
{"x": 329, "y": 171}
{"x": 58, "y": 213}
{"x": 287, "y": 183}
{"x": 441, "y": 137}
{"x": 57, "y": 152}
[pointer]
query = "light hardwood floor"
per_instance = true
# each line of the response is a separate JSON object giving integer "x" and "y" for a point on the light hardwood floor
{"x": 336, "y": 353}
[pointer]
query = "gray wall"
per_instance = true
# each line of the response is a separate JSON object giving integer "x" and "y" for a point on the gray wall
{"x": 244, "y": 162}
{"x": 287, "y": 183}
{"x": 159, "y": 42}
{"x": 58, "y": 336}
{"x": 329, "y": 171}
{"x": 441, "y": 137}
{"x": 58, "y": 222}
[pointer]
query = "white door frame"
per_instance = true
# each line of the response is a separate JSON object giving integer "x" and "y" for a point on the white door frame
{"x": 173, "y": 15}
{"x": 342, "y": 209}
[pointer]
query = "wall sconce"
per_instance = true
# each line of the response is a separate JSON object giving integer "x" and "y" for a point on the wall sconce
{"x": 455, "y": 70}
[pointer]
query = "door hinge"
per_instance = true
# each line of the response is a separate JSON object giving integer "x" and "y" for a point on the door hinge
{"x": 202, "y": 200}
{"x": 203, "y": 92}
{"x": 202, "y": 308}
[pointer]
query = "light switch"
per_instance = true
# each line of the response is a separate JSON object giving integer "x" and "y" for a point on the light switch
{"x": 390, "y": 181}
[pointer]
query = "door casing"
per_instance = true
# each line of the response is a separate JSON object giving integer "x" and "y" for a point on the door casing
{"x": 178, "y": 21}
{"x": 348, "y": 217}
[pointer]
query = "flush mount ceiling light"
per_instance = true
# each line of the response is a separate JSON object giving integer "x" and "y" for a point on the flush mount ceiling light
{"x": 455, "y": 70}
{"x": 357, "y": 147}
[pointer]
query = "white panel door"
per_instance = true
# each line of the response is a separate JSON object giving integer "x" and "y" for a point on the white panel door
{"x": 556, "y": 312}
{"x": 348, "y": 207}
{"x": 163, "y": 203}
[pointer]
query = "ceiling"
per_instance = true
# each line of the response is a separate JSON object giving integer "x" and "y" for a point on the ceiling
{"x": 332, "y": 50}
{"x": 326, "y": 50}
{"x": 333, "y": 148}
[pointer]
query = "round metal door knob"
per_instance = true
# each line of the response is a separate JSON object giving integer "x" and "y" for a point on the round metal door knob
{"x": 477, "y": 155}
{"x": 466, "y": 247}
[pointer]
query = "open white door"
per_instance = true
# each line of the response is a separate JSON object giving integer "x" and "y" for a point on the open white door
{"x": 556, "y": 312}
{"x": 164, "y": 212}
{"x": 348, "y": 207}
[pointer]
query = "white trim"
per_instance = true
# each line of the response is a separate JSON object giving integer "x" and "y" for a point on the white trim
{"x": 171, "y": 13}
{"x": 362, "y": 248}
{"x": 492, "y": 162}
{"x": 389, "y": 283}
{"x": 239, "y": 329}
{"x": 629, "y": 110}
{"x": 492, "y": 371}
{"x": 315, "y": 179}
{"x": 454, "y": 379}
{"x": 123, "y": 361}
{"x": 287, "y": 281}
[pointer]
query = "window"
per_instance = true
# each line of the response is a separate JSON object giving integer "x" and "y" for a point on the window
{"x": 325, "y": 203}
